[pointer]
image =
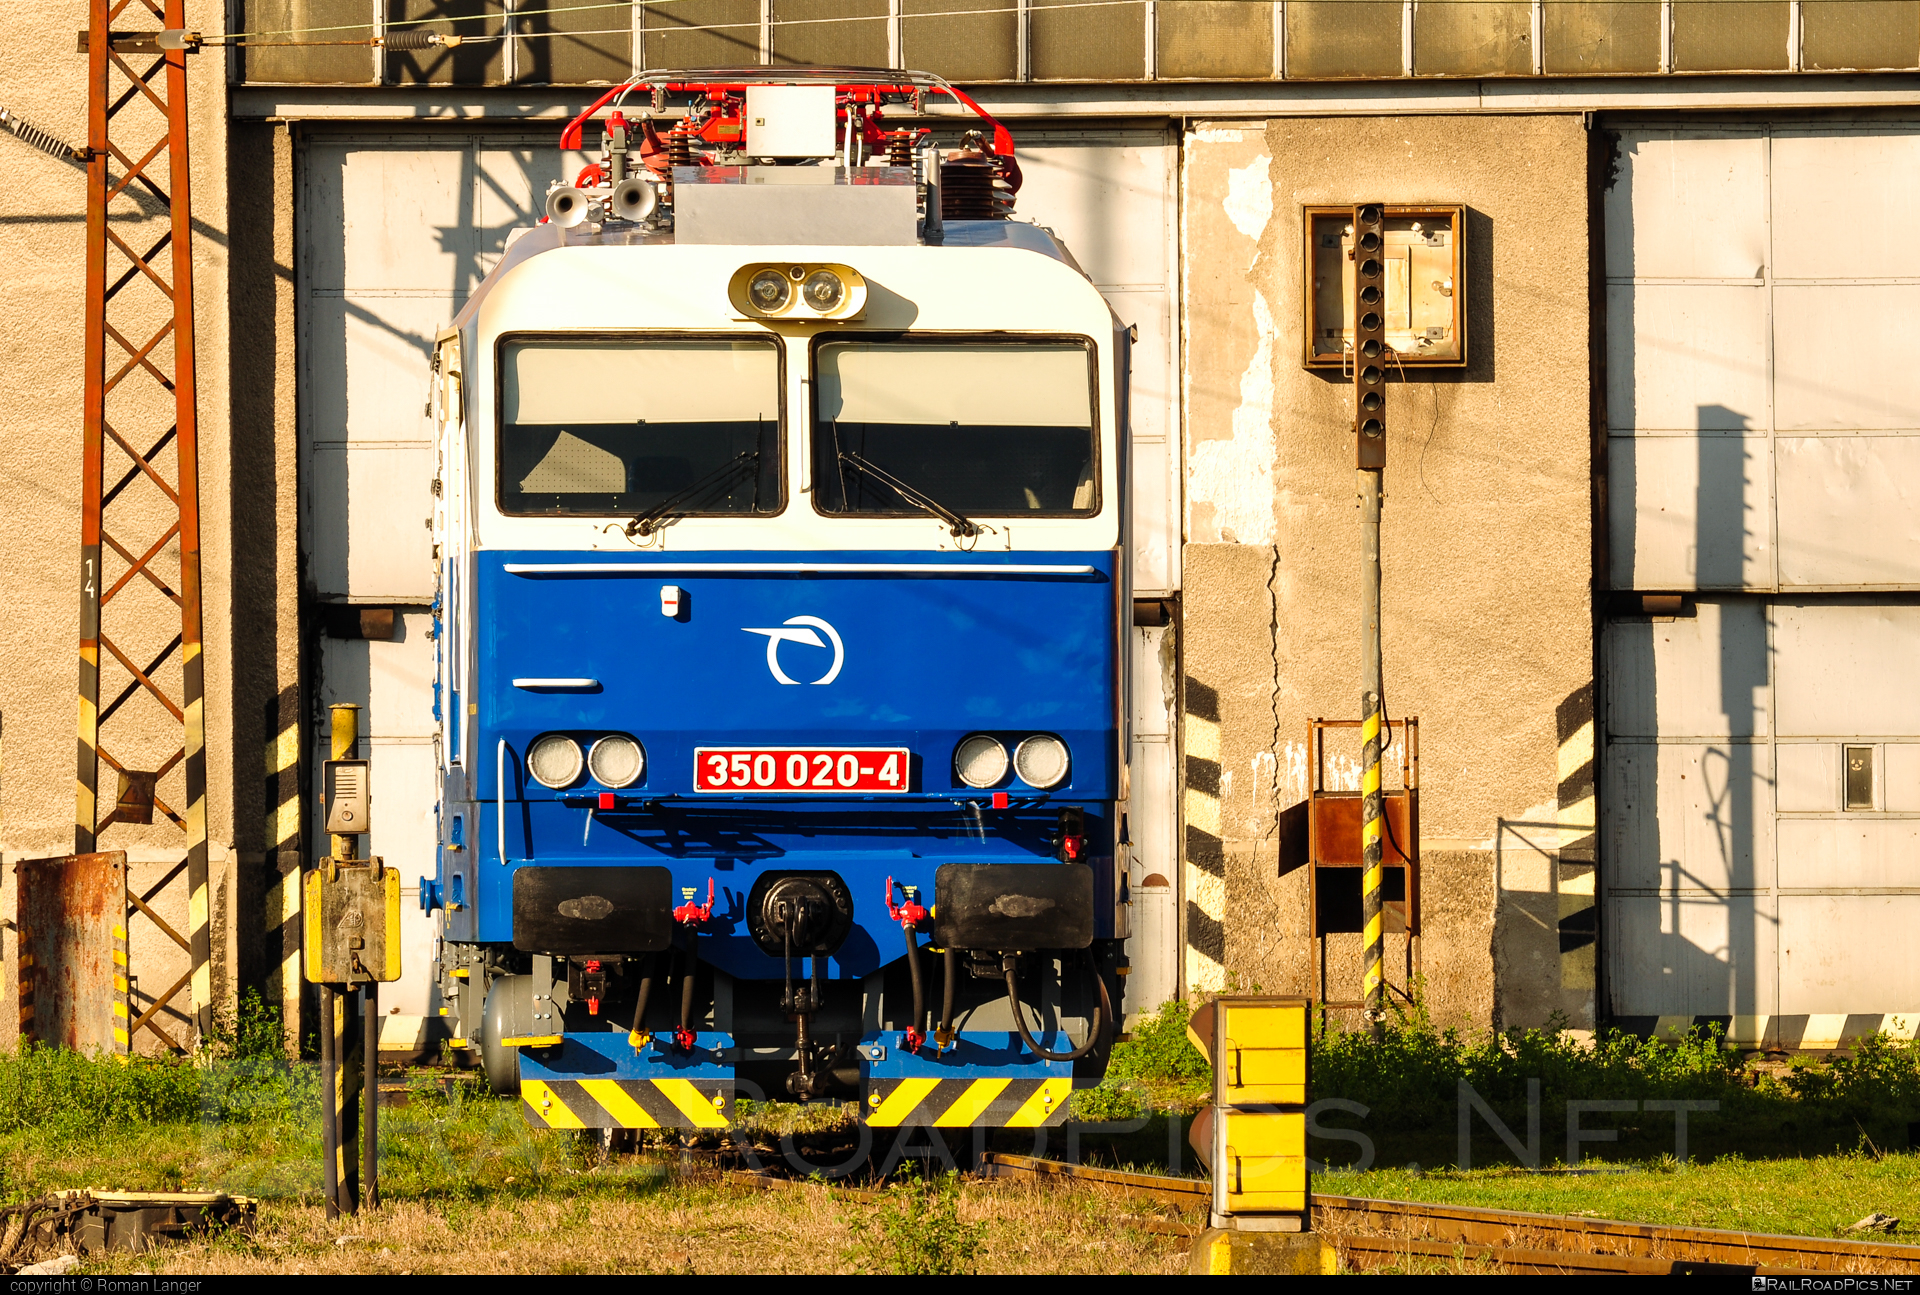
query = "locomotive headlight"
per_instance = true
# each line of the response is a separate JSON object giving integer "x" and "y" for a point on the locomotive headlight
{"x": 616, "y": 760}
{"x": 823, "y": 291}
{"x": 555, "y": 761}
{"x": 1041, "y": 761}
{"x": 980, "y": 761}
{"x": 814, "y": 294}
{"x": 768, "y": 291}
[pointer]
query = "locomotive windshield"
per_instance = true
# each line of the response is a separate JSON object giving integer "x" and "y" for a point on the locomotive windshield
{"x": 980, "y": 427}
{"x": 626, "y": 425}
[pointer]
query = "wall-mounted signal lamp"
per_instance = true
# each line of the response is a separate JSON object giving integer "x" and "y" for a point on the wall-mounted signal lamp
{"x": 1423, "y": 300}
{"x": 798, "y": 292}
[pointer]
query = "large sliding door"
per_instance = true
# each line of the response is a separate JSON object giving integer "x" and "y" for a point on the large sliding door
{"x": 1761, "y": 837}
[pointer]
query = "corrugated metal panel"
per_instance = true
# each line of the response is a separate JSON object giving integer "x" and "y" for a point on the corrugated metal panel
{"x": 1595, "y": 39}
{"x": 701, "y": 33}
{"x": 1471, "y": 38}
{"x": 1730, "y": 35}
{"x": 1344, "y": 38}
{"x": 830, "y": 33}
{"x": 1073, "y": 42}
{"x": 1213, "y": 39}
{"x": 979, "y": 43}
{"x": 1839, "y": 35}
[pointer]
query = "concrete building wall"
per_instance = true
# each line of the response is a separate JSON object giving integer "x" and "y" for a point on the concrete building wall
{"x": 1487, "y": 603}
{"x": 42, "y": 316}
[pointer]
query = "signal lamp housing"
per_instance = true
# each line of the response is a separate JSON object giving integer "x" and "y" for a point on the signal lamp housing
{"x": 798, "y": 293}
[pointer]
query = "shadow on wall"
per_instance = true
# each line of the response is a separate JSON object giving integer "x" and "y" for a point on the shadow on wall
{"x": 1686, "y": 893}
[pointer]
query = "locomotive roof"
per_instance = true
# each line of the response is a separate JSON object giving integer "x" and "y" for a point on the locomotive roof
{"x": 525, "y": 244}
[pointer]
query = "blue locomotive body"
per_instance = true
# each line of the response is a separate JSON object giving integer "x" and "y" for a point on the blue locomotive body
{"x": 784, "y": 589}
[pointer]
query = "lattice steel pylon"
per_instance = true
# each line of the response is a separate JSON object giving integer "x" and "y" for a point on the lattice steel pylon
{"x": 140, "y": 536}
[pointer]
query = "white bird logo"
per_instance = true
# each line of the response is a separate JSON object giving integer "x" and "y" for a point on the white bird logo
{"x": 803, "y": 634}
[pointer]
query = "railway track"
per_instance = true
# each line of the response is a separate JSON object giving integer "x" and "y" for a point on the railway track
{"x": 1377, "y": 1233}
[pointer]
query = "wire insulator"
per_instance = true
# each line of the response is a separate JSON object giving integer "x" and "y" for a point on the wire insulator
{"x": 679, "y": 146}
{"x": 416, "y": 39}
{"x": 40, "y": 139}
{"x": 900, "y": 147}
{"x": 967, "y": 190}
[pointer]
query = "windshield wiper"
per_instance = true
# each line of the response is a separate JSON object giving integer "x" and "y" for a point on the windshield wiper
{"x": 670, "y": 507}
{"x": 958, "y": 524}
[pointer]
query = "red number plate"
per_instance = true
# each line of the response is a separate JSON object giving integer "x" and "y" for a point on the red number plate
{"x": 843, "y": 770}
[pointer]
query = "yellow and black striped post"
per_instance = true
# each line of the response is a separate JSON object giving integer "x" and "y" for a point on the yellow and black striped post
{"x": 281, "y": 915}
{"x": 1370, "y": 358}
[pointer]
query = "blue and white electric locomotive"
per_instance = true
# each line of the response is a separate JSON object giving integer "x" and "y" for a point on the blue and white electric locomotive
{"x": 784, "y": 580}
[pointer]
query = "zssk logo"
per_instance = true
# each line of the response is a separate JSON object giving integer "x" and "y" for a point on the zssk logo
{"x": 800, "y": 629}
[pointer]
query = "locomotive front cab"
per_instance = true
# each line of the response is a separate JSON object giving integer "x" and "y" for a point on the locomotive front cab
{"x": 783, "y": 676}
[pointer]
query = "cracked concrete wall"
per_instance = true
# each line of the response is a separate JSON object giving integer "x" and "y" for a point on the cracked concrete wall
{"x": 1488, "y": 633}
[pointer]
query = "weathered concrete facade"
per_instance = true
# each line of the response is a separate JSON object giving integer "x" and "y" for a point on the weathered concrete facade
{"x": 242, "y": 249}
{"x": 1486, "y": 551}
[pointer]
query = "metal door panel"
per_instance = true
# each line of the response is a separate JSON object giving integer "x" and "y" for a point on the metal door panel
{"x": 1849, "y": 953}
{"x": 1865, "y": 183}
{"x": 1849, "y": 510}
{"x": 1845, "y": 668}
{"x": 1902, "y": 763}
{"x": 1688, "y": 206}
{"x": 380, "y": 346}
{"x": 1843, "y": 356}
{"x": 405, "y": 219}
{"x": 1686, "y": 357}
{"x": 1689, "y": 817}
{"x": 1846, "y": 853}
{"x": 1702, "y": 676}
{"x": 369, "y": 523}
{"x": 1809, "y": 777}
{"x": 1689, "y": 512}
{"x": 1685, "y": 955}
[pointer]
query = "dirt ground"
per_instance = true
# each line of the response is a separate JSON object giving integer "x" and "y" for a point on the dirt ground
{"x": 639, "y": 1218}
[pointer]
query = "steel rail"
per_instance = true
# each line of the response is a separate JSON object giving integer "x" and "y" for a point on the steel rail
{"x": 1374, "y": 1226}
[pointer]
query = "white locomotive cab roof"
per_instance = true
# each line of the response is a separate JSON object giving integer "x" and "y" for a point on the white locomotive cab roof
{"x": 1007, "y": 282}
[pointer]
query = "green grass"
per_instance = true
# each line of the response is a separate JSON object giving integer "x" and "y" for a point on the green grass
{"x": 1818, "y": 1196}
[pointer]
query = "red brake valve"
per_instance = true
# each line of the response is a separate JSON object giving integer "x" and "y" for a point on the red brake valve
{"x": 690, "y": 913}
{"x": 909, "y": 913}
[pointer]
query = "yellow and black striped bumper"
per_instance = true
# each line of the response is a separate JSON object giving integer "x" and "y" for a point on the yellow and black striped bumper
{"x": 968, "y": 1103}
{"x": 626, "y": 1103}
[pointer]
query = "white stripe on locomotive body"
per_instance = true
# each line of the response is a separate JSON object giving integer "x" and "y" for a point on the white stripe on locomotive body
{"x": 1019, "y": 287}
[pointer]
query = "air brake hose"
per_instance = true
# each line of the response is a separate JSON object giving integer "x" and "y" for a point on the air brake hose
{"x": 683, "y": 1036}
{"x": 914, "y": 1030}
{"x": 640, "y": 1006}
{"x": 1103, "y": 1013}
{"x": 949, "y": 965}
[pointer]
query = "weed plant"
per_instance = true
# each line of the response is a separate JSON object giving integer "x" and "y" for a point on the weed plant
{"x": 915, "y": 1230}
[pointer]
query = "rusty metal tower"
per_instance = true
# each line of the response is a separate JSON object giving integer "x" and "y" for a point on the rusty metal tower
{"x": 140, "y": 488}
